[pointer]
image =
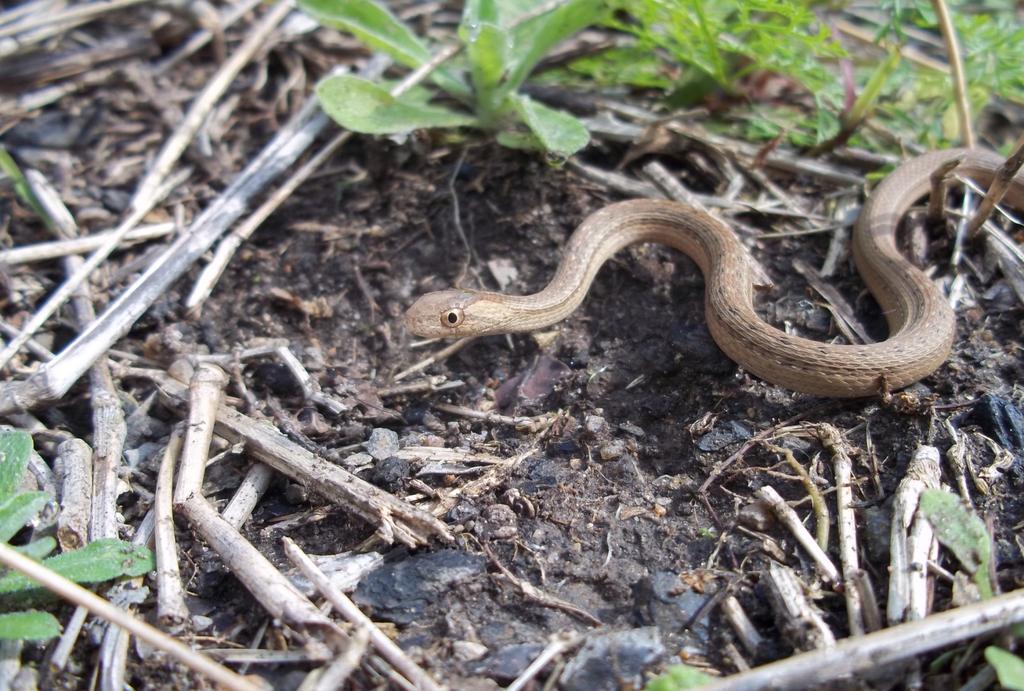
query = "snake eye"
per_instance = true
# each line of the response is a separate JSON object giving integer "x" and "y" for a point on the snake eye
{"x": 452, "y": 318}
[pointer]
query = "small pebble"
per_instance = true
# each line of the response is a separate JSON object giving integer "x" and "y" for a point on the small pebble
{"x": 595, "y": 425}
{"x": 612, "y": 450}
{"x": 295, "y": 494}
{"x": 756, "y": 516}
{"x": 382, "y": 443}
{"x": 630, "y": 428}
{"x": 360, "y": 459}
{"x": 467, "y": 651}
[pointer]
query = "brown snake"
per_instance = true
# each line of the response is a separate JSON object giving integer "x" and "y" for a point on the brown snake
{"x": 921, "y": 323}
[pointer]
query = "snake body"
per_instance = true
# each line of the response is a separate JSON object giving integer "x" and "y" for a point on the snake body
{"x": 921, "y": 323}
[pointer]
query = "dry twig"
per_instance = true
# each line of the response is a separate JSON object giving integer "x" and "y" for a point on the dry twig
{"x": 72, "y": 592}
{"x": 875, "y": 650}
{"x": 384, "y": 645}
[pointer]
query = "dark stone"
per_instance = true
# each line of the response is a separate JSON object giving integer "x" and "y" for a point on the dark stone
{"x": 613, "y": 660}
{"x": 401, "y": 592}
{"x": 723, "y": 435}
{"x": 1003, "y": 421}
{"x": 508, "y": 663}
{"x": 390, "y": 473}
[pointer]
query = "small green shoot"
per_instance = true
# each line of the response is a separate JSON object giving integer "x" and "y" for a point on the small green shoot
{"x": 961, "y": 532}
{"x": 503, "y": 42}
{"x": 679, "y": 677}
{"x": 21, "y": 187}
{"x": 1009, "y": 668}
{"x": 98, "y": 561}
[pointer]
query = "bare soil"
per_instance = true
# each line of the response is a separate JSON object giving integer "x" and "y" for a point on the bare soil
{"x": 604, "y": 510}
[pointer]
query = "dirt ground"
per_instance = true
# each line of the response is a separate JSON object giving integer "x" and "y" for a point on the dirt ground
{"x": 604, "y": 511}
{"x": 633, "y": 408}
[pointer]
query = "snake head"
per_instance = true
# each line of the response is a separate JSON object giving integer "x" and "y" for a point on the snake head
{"x": 450, "y": 314}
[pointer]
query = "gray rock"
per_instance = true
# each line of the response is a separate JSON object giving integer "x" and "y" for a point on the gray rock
{"x": 607, "y": 660}
{"x": 612, "y": 450}
{"x": 595, "y": 425}
{"x": 723, "y": 435}
{"x": 402, "y": 591}
{"x": 506, "y": 664}
{"x": 382, "y": 443}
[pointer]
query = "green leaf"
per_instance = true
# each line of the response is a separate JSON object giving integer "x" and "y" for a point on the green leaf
{"x": 679, "y": 677}
{"x": 869, "y": 95}
{"x": 28, "y": 626}
{"x": 19, "y": 510}
{"x": 487, "y": 48}
{"x": 363, "y": 106}
{"x": 961, "y": 532}
{"x": 22, "y": 188}
{"x": 558, "y": 132}
{"x": 101, "y": 560}
{"x": 373, "y": 23}
{"x": 38, "y": 549}
{"x": 15, "y": 446}
{"x": 532, "y": 39}
{"x": 519, "y": 140}
{"x": 475, "y": 13}
{"x": 1009, "y": 668}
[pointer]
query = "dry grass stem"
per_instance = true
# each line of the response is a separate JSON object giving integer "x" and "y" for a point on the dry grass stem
{"x": 914, "y": 55}
{"x": 800, "y": 620}
{"x": 846, "y": 519}
{"x": 69, "y": 287}
{"x": 248, "y": 494}
{"x": 109, "y": 432}
{"x": 558, "y": 645}
{"x": 274, "y": 592}
{"x": 44, "y": 251}
{"x": 228, "y": 16}
{"x": 791, "y": 521}
{"x": 845, "y": 317}
{"x": 395, "y": 519}
{"x": 69, "y": 636}
{"x": 533, "y": 594}
{"x": 439, "y": 356}
{"x": 997, "y": 190}
{"x": 146, "y": 196}
{"x": 963, "y": 106}
{"x": 73, "y": 467}
{"x": 940, "y": 185}
{"x": 346, "y": 608}
{"x": 99, "y": 607}
{"x": 53, "y": 381}
{"x": 888, "y": 646}
{"x": 334, "y": 675}
{"x": 821, "y": 513}
{"x": 742, "y": 626}
{"x": 171, "y": 609}
{"x": 205, "y": 393}
{"x": 909, "y": 550}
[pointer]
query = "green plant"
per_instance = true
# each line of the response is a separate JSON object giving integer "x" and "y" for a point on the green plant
{"x": 961, "y": 531}
{"x": 690, "y": 49}
{"x": 101, "y": 560}
{"x": 918, "y": 102}
{"x": 679, "y": 677}
{"x": 1009, "y": 668}
{"x": 21, "y": 187}
{"x": 504, "y": 40}
{"x": 723, "y": 42}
